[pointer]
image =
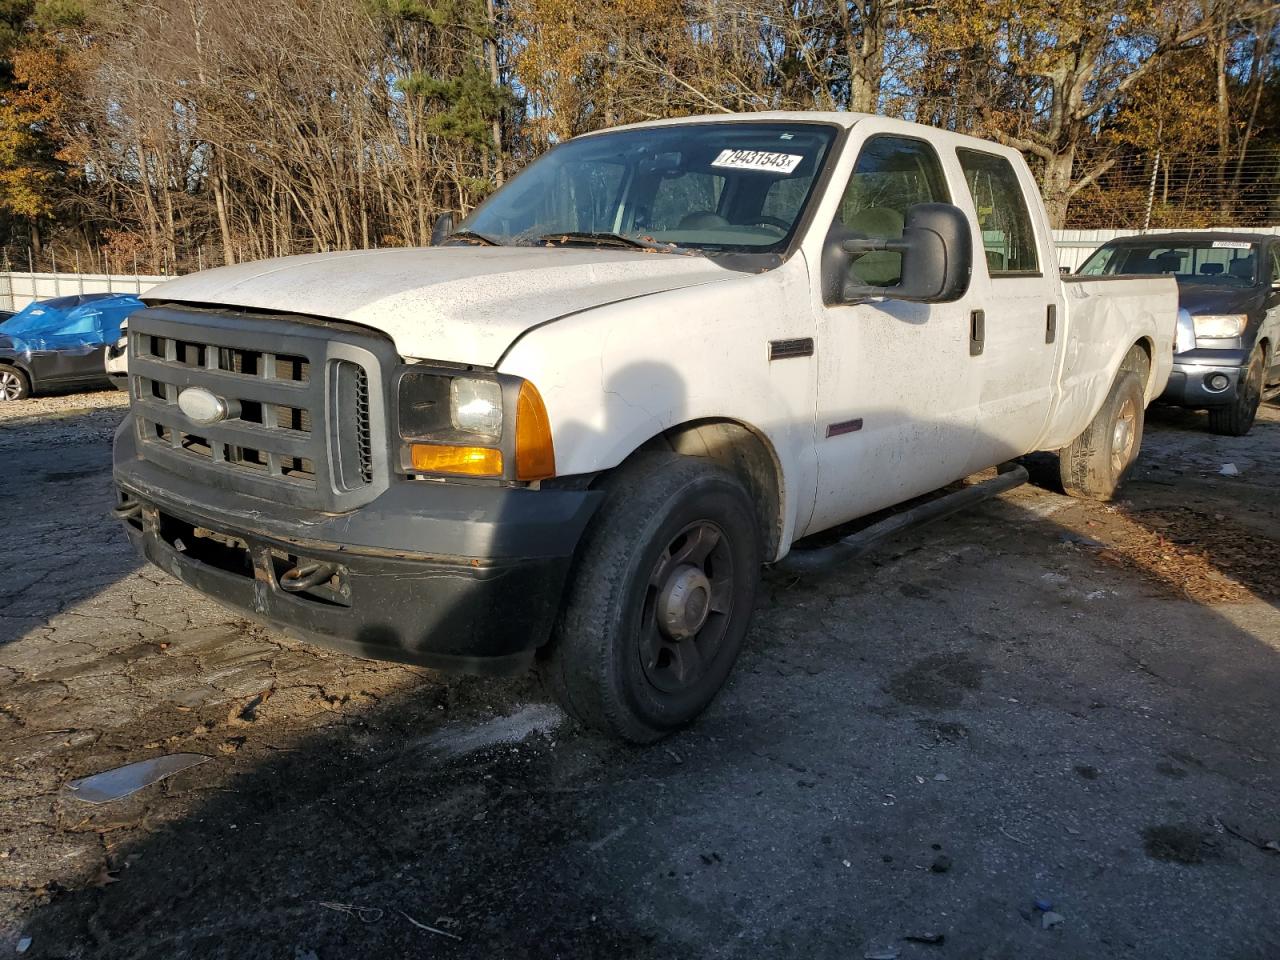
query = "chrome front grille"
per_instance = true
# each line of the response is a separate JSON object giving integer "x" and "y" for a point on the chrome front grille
{"x": 305, "y": 411}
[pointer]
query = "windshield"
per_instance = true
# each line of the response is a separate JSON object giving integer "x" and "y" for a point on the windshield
{"x": 1228, "y": 262}
{"x": 711, "y": 186}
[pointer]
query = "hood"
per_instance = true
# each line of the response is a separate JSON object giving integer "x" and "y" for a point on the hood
{"x": 457, "y": 304}
{"x": 1200, "y": 298}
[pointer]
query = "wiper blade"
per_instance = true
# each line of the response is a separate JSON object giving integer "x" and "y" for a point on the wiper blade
{"x": 470, "y": 236}
{"x": 608, "y": 240}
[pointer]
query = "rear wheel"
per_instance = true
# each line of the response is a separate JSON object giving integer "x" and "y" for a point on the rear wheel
{"x": 659, "y": 601}
{"x": 1236, "y": 419}
{"x": 14, "y": 384}
{"x": 1097, "y": 462}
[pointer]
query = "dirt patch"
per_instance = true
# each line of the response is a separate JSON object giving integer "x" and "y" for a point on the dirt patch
{"x": 1178, "y": 843}
{"x": 1172, "y": 557}
{"x": 1214, "y": 540}
{"x": 937, "y": 681}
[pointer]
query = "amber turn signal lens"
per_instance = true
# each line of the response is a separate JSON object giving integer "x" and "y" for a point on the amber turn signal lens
{"x": 465, "y": 461}
{"x": 535, "y": 455}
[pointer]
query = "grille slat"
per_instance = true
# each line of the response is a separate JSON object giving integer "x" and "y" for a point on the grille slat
{"x": 272, "y": 438}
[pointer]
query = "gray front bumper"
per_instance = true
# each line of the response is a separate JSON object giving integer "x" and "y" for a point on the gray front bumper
{"x": 1192, "y": 370}
{"x": 448, "y": 575}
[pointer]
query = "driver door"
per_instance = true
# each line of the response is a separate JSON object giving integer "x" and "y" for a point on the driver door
{"x": 898, "y": 385}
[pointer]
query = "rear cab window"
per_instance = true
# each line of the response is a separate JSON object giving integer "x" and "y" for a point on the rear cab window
{"x": 1008, "y": 240}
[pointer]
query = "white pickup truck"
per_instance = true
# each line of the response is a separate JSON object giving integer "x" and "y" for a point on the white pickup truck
{"x": 573, "y": 429}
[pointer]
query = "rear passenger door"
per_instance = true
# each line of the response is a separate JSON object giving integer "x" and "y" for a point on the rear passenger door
{"x": 1020, "y": 298}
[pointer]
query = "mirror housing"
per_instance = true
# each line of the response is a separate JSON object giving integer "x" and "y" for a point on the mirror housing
{"x": 937, "y": 258}
{"x": 441, "y": 229}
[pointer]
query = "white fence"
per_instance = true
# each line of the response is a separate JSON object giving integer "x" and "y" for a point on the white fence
{"x": 19, "y": 289}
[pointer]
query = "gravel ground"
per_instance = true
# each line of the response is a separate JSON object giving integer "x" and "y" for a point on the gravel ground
{"x": 1040, "y": 699}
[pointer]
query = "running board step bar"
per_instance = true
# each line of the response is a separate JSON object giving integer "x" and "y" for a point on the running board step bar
{"x": 855, "y": 545}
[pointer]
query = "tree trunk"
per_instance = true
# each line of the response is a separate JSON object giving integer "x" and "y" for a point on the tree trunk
{"x": 1058, "y": 172}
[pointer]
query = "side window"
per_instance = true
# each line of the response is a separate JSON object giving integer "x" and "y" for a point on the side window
{"x": 1002, "y": 214}
{"x": 892, "y": 174}
{"x": 1275, "y": 264}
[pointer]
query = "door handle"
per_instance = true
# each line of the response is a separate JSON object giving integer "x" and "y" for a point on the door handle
{"x": 1051, "y": 323}
{"x": 977, "y": 332}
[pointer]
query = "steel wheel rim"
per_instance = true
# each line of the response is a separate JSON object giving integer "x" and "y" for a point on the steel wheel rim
{"x": 675, "y": 652}
{"x": 10, "y": 386}
{"x": 1123, "y": 435}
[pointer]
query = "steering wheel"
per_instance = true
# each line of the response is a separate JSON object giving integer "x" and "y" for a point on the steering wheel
{"x": 768, "y": 221}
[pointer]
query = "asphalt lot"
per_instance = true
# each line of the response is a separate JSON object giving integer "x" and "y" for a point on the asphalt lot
{"x": 1042, "y": 698}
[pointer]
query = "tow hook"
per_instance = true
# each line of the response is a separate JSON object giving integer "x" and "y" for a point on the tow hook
{"x": 305, "y": 576}
{"x": 127, "y": 510}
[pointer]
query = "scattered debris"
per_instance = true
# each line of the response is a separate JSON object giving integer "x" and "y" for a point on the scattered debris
{"x": 1049, "y": 920}
{"x": 882, "y": 953}
{"x": 1075, "y": 539}
{"x": 1229, "y": 470}
{"x": 1196, "y": 556}
{"x": 936, "y": 939}
{"x": 104, "y": 876}
{"x": 249, "y": 712}
{"x": 941, "y": 777}
{"x": 436, "y": 930}
{"x": 363, "y": 914}
{"x": 24, "y": 945}
{"x": 132, "y": 777}
{"x": 941, "y": 863}
{"x": 527, "y": 721}
{"x": 1043, "y": 904}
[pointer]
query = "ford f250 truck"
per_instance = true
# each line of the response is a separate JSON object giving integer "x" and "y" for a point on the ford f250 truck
{"x": 573, "y": 430}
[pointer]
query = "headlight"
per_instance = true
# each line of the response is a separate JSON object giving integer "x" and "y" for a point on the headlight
{"x": 1220, "y": 326}
{"x": 455, "y": 425}
{"x": 475, "y": 406}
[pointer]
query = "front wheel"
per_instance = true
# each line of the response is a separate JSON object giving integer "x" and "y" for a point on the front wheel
{"x": 1097, "y": 462}
{"x": 1236, "y": 418}
{"x": 14, "y": 384}
{"x": 659, "y": 600}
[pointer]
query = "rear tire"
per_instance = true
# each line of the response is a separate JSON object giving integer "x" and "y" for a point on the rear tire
{"x": 1096, "y": 464}
{"x": 1236, "y": 419}
{"x": 659, "y": 600}
{"x": 14, "y": 384}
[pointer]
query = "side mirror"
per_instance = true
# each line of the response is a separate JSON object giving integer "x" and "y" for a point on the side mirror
{"x": 441, "y": 229}
{"x": 1065, "y": 271}
{"x": 937, "y": 258}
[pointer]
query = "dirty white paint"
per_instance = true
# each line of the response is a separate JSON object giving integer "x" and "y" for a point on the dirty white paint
{"x": 456, "y": 304}
{"x": 642, "y": 342}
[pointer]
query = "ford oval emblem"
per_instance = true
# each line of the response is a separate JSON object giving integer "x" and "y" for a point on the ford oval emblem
{"x": 203, "y": 406}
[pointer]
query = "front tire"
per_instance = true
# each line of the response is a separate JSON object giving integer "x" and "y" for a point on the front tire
{"x": 1236, "y": 419}
{"x": 659, "y": 600}
{"x": 14, "y": 384}
{"x": 1096, "y": 464}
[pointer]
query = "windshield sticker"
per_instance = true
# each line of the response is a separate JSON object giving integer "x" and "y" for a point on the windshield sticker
{"x": 1231, "y": 245}
{"x": 758, "y": 160}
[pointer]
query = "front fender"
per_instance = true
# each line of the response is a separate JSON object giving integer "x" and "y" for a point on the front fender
{"x": 616, "y": 376}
